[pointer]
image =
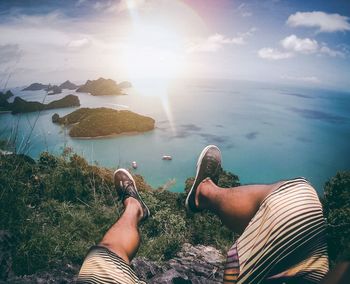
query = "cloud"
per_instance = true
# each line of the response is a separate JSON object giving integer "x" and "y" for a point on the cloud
{"x": 323, "y": 21}
{"x": 242, "y": 9}
{"x": 293, "y": 45}
{"x": 78, "y": 43}
{"x": 273, "y": 54}
{"x": 217, "y": 41}
{"x": 331, "y": 52}
{"x": 123, "y": 5}
{"x": 308, "y": 79}
{"x": 303, "y": 45}
{"x": 9, "y": 52}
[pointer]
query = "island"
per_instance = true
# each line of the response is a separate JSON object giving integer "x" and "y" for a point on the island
{"x": 4, "y": 104}
{"x": 36, "y": 87}
{"x": 19, "y": 105}
{"x": 53, "y": 90}
{"x": 104, "y": 122}
{"x": 103, "y": 87}
{"x": 68, "y": 85}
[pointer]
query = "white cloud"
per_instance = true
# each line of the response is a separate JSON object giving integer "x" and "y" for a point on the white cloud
{"x": 303, "y": 45}
{"x": 242, "y": 9}
{"x": 217, "y": 41}
{"x": 293, "y": 45}
{"x": 78, "y": 43}
{"x": 9, "y": 52}
{"x": 123, "y": 5}
{"x": 273, "y": 54}
{"x": 308, "y": 79}
{"x": 331, "y": 52}
{"x": 129, "y": 5}
{"x": 214, "y": 43}
{"x": 323, "y": 21}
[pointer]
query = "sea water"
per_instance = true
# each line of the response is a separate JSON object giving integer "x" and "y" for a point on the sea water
{"x": 266, "y": 132}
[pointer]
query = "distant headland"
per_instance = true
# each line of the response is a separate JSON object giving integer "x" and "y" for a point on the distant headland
{"x": 99, "y": 87}
{"x": 20, "y": 105}
{"x": 103, "y": 87}
{"x": 104, "y": 122}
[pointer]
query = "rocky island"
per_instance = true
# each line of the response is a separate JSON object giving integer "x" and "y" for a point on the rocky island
{"x": 102, "y": 122}
{"x": 68, "y": 85}
{"x": 54, "y": 89}
{"x": 4, "y": 104}
{"x": 19, "y": 105}
{"x": 103, "y": 87}
{"x": 36, "y": 87}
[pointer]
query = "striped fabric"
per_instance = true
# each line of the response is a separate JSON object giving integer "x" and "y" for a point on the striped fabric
{"x": 103, "y": 266}
{"x": 285, "y": 240}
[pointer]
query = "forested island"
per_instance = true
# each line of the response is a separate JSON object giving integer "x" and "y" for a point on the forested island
{"x": 19, "y": 105}
{"x": 104, "y": 87}
{"x": 102, "y": 122}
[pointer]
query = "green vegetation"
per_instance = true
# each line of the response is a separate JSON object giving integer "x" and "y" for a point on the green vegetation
{"x": 96, "y": 122}
{"x": 102, "y": 87}
{"x": 336, "y": 204}
{"x": 57, "y": 207}
{"x": 20, "y": 106}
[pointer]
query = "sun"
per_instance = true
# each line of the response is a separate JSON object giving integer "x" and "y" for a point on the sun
{"x": 154, "y": 52}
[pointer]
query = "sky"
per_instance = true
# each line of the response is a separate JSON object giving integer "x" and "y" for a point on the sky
{"x": 305, "y": 43}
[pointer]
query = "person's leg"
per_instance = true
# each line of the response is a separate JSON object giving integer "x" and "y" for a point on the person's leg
{"x": 109, "y": 261}
{"x": 234, "y": 206}
{"x": 123, "y": 238}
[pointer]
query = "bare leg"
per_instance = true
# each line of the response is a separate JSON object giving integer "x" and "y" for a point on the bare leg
{"x": 236, "y": 206}
{"x": 123, "y": 238}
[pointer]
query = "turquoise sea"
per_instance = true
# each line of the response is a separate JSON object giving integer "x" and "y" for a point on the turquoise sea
{"x": 266, "y": 132}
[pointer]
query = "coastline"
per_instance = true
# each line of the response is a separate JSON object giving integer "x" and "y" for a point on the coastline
{"x": 114, "y": 135}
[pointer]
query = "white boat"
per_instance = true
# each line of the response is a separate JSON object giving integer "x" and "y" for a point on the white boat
{"x": 134, "y": 164}
{"x": 167, "y": 157}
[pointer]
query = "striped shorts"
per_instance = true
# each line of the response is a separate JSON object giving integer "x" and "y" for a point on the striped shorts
{"x": 103, "y": 266}
{"x": 285, "y": 240}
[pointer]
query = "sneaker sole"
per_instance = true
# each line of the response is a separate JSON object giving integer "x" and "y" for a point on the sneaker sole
{"x": 137, "y": 192}
{"x": 204, "y": 151}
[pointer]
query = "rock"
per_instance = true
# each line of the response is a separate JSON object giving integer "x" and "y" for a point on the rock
{"x": 145, "y": 268}
{"x": 4, "y": 104}
{"x": 36, "y": 87}
{"x": 53, "y": 90}
{"x": 68, "y": 85}
{"x": 101, "y": 87}
{"x": 55, "y": 118}
{"x": 193, "y": 264}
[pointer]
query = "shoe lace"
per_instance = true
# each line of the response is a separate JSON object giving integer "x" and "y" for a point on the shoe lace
{"x": 125, "y": 186}
{"x": 212, "y": 166}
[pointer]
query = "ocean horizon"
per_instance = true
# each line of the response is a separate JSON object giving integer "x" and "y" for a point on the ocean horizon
{"x": 266, "y": 132}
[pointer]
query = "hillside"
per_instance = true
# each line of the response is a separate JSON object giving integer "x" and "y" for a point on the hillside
{"x": 99, "y": 122}
{"x": 103, "y": 87}
{"x": 20, "y": 105}
{"x": 55, "y": 208}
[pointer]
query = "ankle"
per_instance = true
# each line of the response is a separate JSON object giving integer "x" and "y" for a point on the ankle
{"x": 133, "y": 206}
{"x": 203, "y": 193}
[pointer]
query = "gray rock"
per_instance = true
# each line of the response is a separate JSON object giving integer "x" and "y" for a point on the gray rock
{"x": 193, "y": 264}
